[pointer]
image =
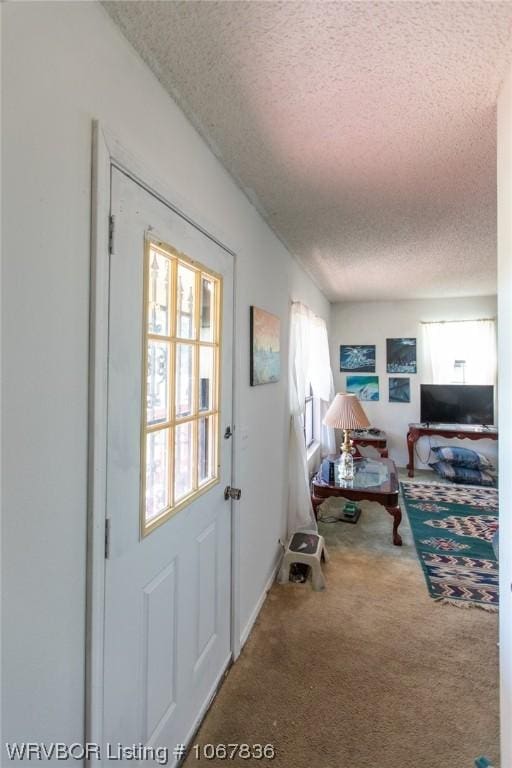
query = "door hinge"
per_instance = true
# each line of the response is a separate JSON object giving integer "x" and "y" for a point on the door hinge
{"x": 111, "y": 227}
{"x": 107, "y": 538}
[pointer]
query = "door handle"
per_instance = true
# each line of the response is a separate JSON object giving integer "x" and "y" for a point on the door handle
{"x": 228, "y": 433}
{"x": 232, "y": 493}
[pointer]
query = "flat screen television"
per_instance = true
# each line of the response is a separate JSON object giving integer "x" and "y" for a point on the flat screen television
{"x": 457, "y": 404}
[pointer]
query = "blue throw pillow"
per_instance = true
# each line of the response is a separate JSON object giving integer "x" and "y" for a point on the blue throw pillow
{"x": 463, "y": 457}
{"x": 462, "y": 474}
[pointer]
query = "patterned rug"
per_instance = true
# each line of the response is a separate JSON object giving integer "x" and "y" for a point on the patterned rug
{"x": 453, "y": 527}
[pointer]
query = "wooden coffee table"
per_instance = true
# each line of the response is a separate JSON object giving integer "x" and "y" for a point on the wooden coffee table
{"x": 374, "y": 480}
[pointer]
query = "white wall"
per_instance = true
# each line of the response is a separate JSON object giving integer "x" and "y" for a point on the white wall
{"x": 504, "y": 168}
{"x": 63, "y": 65}
{"x": 372, "y": 323}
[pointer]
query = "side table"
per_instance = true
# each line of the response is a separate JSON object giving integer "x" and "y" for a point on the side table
{"x": 376, "y": 439}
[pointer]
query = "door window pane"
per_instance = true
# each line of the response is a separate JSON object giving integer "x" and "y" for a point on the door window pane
{"x": 184, "y": 380}
{"x": 183, "y": 476}
{"x": 206, "y": 375}
{"x": 180, "y": 385}
{"x": 185, "y": 326}
{"x": 158, "y": 299}
{"x": 206, "y": 453}
{"x": 207, "y": 309}
{"x": 157, "y": 388}
{"x": 157, "y": 473}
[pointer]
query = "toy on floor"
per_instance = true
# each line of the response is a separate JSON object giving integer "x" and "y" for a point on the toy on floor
{"x": 350, "y": 513}
{"x": 482, "y": 762}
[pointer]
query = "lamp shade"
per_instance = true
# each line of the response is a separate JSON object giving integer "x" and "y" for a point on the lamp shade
{"x": 346, "y": 412}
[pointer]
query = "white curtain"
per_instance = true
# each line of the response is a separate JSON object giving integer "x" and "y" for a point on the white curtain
{"x": 470, "y": 342}
{"x": 320, "y": 376}
{"x": 308, "y": 365}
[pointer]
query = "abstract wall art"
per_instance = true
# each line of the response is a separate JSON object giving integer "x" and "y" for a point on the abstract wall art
{"x": 357, "y": 358}
{"x": 401, "y": 355}
{"x": 265, "y": 347}
{"x": 399, "y": 390}
{"x": 365, "y": 387}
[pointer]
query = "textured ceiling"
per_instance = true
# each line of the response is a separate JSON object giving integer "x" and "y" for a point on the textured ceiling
{"x": 364, "y": 132}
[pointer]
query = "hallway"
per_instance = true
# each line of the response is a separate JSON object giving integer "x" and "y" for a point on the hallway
{"x": 370, "y": 673}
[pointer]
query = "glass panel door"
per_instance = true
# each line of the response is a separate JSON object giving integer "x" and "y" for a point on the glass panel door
{"x": 179, "y": 440}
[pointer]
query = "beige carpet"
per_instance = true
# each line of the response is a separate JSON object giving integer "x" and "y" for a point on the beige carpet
{"x": 370, "y": 673}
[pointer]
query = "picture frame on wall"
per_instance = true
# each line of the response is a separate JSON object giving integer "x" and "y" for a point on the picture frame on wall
{"x": 399, "y": 389}
{"x": 265, "y": 357}
{"x": 357, "y": 358}
{"x": 365, "y": 387}
{"x": 401, "y": 355}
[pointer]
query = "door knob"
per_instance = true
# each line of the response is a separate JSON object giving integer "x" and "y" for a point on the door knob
{"x": 232, "y": 493}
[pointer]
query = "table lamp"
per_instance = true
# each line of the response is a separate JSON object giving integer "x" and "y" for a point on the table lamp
{"x": 346, "y": 413}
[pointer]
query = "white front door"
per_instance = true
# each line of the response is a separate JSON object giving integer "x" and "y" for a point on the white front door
{"x": 168, "y": 568}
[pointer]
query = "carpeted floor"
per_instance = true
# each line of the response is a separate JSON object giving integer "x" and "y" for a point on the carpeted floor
{"x": 371, "y": 673}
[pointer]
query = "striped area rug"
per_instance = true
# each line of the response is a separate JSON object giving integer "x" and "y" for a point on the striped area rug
{"x": 453, "y": 528}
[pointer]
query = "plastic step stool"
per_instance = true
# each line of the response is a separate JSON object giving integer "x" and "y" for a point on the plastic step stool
{"x": 307, "y": 548}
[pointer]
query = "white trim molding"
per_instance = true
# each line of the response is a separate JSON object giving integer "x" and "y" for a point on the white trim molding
{"x": 261, "y": 600}
{"x": 107, "y": 152}
{"x": 97, "y": 436}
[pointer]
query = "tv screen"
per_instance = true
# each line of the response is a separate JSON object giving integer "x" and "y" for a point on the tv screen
{"x": 457, "y": 403}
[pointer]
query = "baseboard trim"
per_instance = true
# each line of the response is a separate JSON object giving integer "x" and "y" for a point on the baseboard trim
{"x": 244, "y": 636}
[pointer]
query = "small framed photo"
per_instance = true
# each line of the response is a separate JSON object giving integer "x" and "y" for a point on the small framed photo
{"x": 399, "y": 389}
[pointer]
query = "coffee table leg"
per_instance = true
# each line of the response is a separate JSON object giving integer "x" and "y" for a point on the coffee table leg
{"x": 315, "y": 501}
{"x": 396, "y": 513}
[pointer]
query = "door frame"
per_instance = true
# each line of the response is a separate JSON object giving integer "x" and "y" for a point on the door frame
{"x": 108, "y": 153}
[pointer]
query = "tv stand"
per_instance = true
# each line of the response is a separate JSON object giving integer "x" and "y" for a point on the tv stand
{"x": 453, "y": 431}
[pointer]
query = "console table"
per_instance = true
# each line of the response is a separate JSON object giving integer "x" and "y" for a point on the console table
{"x": 452, "y": 431}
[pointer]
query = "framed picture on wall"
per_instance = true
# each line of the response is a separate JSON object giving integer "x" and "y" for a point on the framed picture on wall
{"x": 401, "y": 355}
{"x": 399, "y": 389}
{"x": 357, "y": 358}
{"x": 265, "y": 347}
{"x": 365, "y": 387}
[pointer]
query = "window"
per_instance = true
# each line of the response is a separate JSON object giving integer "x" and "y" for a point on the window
{"x": 309, "y": 430}
{"x": 460, "y": 351}
{"x": 180, "y": 413}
